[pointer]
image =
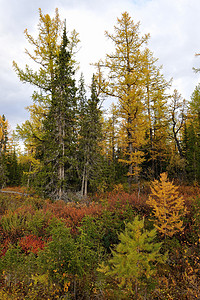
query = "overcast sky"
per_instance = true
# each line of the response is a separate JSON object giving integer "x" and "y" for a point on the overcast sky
{"x": 172, "y": 24}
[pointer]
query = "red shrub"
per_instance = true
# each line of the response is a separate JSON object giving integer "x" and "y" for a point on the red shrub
{"x": 189, "y": 193}
{"x": 119, "y": 200}
{"x": 31, "y": 243}
{"x": 71, "y": 213}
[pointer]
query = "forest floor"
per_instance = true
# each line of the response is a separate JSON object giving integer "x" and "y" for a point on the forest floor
{"x": 35, "y": 233}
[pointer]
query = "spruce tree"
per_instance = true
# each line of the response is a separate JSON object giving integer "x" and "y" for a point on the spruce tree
{"x": 191, "y": 153}
{"x": 81, "y": 126}
{"x": 13, "y": 168}
{"x": 43, "y": 53}
{"x": 90, "y": 133}
{"x": 192, "y": 137}
{"x": 155, "y": 107}
{"x": 3, "y": 150}
{"x": 59, "y": 127}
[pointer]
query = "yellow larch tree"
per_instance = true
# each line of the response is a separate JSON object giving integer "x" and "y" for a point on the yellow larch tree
{"x": 168, "y": 206}
{"x": 44, "y": 54}
{"x": 123, "y": 78}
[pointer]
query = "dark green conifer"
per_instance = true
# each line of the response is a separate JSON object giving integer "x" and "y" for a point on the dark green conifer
{"x": 90, "y": 134}
{"x": 191, "y": 140}
{"x": 59, "y": 128}
{"x": 3, "y": 150}
{"x": 13, "y": 168}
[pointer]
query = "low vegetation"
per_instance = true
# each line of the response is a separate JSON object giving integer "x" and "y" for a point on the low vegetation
{"x": 92, "y": 249}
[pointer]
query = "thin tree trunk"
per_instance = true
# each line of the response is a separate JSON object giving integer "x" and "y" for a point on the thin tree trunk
{"x": 83, "y": 182}
{"x": 28, "y": 181}
{"x": 130, "y": 149}
{"x": 61, "y": 168}
{"x": 177, "y": 142}
{"x": 86, "y": 180}
{"x": 86, "y": 185}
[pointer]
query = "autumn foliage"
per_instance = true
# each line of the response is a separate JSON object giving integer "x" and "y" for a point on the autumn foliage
{"x": 31, "y": 243}
{"x": 93, "y": 222}
{"x": 168, "y": 206}
{"x": 47, "y": 244}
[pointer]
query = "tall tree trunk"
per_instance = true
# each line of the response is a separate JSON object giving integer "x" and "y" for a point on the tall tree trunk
{"x": 86, "y": 180}
{"x": 177, "y": 142}
{"x": 86, "y": 185}
{"x": 130, "y": 168}
{"x": 61, "y": 168}
{"x": 83, "y": 182}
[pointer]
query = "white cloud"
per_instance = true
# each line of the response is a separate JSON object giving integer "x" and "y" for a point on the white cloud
{"x": 173, "y": 25}
{"x": 174, "y": 38}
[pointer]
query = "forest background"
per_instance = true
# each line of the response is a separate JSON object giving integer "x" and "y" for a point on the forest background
{"x": 76, "y": 153}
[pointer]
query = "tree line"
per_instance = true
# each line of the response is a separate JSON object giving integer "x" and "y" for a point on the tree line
{"x": 72, "y": 144}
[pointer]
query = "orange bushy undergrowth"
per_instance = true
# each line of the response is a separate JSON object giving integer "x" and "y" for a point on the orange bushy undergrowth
{"x": 31, "y": 243}
{"x": 71, "y": 213}
{"x": 120, "y": 199}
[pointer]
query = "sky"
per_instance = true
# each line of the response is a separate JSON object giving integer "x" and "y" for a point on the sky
{"x": 173, "y": 26}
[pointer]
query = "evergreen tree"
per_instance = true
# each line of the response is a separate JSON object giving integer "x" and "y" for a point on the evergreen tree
{"x": 111, "y": 129}
{"x": 3, "y": 150}
{"x": 90, "y": 135}
{"x": 156, "y": 111}
{"x": 58, "y": 144}
{"x": 112, "y": 145}
{"x": 14, "y": 173}
{"x": 191, "y": 148}
{"x": 81, "y": 128}
{"x": 46, "y": 47}
{"x": 192, "y": 136}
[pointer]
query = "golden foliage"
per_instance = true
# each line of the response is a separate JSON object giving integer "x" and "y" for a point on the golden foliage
{"x": 124, "y": 80}
{"x": 168, "y": 206}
